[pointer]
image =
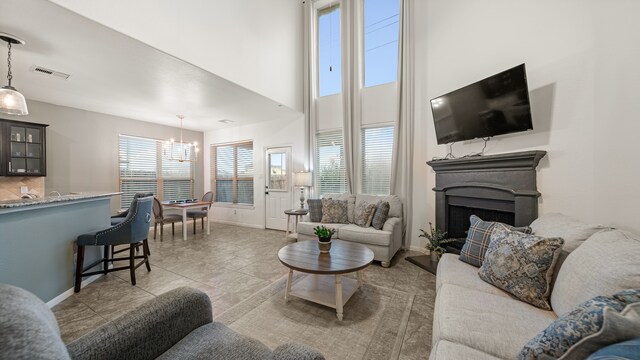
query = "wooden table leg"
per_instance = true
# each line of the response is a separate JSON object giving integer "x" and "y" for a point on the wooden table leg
{"x": 286, "y": 293}
{"x": 184, "y": 223}
{"x": 286, "y": 233}
{"x": 208, "y": 222}
{"x": 360, "y": 275}
{"x": 339, "y": 297}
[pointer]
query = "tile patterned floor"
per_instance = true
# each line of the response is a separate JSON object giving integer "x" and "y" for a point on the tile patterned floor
{"x": 230, "y": 265}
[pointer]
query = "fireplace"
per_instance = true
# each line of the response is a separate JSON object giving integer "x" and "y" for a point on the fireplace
{"x": 495, "y": 188}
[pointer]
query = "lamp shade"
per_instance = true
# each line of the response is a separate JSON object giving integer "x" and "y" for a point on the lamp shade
{"x": 12, "y": 102}
{"x": 302, "y": 178}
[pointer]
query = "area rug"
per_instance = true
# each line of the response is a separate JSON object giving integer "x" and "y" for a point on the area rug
{"x": 375, "y": 320}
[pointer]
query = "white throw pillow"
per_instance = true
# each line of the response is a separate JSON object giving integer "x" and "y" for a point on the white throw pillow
{"x": 608, "y": 262}
{"x": 574, "y": 232}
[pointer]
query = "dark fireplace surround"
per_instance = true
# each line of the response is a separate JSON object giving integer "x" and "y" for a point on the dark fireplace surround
{"x": 495, "y": 188}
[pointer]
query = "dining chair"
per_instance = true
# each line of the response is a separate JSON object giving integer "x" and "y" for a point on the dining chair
{"x": 203, "y": 212}
{"x": 160, "y": 219}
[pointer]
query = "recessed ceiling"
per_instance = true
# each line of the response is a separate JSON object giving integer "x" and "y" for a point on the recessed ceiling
{"x": 114, "y": 74}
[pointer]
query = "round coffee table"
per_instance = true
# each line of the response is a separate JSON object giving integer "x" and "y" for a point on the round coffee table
{"x": 333, "y": 291}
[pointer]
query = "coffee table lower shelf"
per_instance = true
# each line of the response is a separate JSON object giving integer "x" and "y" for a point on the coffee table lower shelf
{"x": 324, "y": 290}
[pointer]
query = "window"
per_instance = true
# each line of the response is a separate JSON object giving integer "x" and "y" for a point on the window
{"x": 143, "y": 169}
{"x": 330, "y": 172}
{"x": 381, "y": 31}
{"x": 377, "y": 150}
{"x": 232, "y": 173}
{"x": 329, "y": 52}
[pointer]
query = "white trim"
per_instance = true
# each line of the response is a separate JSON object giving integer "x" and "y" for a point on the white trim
{"x": 417, "y": 248}
{"x": 225, "y": 222}
{"x": 60, "y": 298}
{"x": 233, "y": 206}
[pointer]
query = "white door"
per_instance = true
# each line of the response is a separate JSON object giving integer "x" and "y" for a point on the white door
{"x": 278, "y": 187}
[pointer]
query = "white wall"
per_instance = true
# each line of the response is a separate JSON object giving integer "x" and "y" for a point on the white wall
{"x": 277, "y": 133}
{"x": 581, "y": 59}
{"x": 254, "y": 43}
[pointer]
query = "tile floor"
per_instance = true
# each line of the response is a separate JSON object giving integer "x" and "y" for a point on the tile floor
{"x": 230, "y": 265}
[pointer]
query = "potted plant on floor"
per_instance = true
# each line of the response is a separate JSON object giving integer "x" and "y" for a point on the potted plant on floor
{"x": 436, "y": 239}
{"x": 324, "y": 238}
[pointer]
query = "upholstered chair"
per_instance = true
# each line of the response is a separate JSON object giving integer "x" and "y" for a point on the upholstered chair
{"x": 134, "y": 229}
{"x": 161, "y": 218}
{"x": 117, "y": 219}
{"x": 202, "y": 213}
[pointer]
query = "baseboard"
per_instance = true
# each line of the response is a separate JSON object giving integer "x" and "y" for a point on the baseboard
{"x": 60, "y": 298}
{"x": 225, "y": 222}
{"x": 416, "y": 248}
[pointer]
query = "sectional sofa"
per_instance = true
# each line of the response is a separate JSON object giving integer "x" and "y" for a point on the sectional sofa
{"x": 384, "y": 243}
{"x": 475, "y": 320}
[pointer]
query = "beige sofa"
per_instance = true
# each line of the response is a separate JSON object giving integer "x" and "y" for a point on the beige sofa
{"x": 475, "y": 320}
{"x": 384, "y": 243}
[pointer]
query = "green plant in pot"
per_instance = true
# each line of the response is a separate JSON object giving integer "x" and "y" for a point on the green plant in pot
{"x": 436, "y": 239}
{"x": 324, "y": 235}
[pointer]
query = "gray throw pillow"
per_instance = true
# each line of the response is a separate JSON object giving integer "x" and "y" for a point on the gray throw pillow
{"x": 521, "y": 264}
{"x": 315, "y": 210}
{"x": 334, "y": 211}
{"x": 478, "y": 238}
{"x": 594, "y": 324}
{"x": 381, "y": 215}
{"x": 364, "y": 213}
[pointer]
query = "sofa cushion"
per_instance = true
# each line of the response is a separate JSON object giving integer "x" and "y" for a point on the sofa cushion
{"x": 521, "y": 264}
{"x": 573, "y": 231}
{"x": 364, "y": 214}
{"x": 595, "y": 323}
{"x": 395, "y": 205}
{"x": 368, "y": 235}
{"x": 306, "y": 228}
{"x": 216, "y": 341}
{"x": 496, "y": 325}
{"x": 478, "y": 238}
{"x": 334, "y": 211}
{"x": 447, "y": 350}
{"x": 315, "y": 210}
{"x": 606, "y": 263}
{"x": 28, "y": 329}
{"x": 455, "y": 272}
{"x": 351, "y": 203}
{"x": 381, "y": 214}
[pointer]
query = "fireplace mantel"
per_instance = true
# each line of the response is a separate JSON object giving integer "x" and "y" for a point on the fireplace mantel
{"x": 503, "y": 183}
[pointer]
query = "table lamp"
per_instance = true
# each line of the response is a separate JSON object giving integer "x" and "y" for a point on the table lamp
{"x": 302, "y": 179}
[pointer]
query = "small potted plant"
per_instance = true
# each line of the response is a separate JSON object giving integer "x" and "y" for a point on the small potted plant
{"x": 324, "y": 238}
{"x": 436, "y": 241}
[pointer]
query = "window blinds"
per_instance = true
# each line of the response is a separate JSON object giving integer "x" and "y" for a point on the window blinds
{"x": 143, "y": 169}
{"x": 377, "y": 148}
{"x": 232, "y": 173}
{"x": 330, "y": 166}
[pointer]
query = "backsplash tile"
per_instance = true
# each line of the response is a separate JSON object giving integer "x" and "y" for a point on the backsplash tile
{"x": 10, "y": 186}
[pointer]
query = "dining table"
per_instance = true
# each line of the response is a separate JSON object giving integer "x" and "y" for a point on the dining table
{"x": 186, "y": 205}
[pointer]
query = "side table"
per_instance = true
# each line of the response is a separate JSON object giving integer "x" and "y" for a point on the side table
{"x": 296, "y": 213}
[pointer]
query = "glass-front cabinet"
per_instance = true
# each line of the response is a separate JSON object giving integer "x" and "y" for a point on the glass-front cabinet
{"x": 22, "y": 148}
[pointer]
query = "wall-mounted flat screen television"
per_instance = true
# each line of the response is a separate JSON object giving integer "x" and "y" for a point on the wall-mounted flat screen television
{"x": 494, "y": 106}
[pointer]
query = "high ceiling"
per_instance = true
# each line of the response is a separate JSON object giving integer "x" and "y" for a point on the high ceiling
{"x": 114, "y": 74}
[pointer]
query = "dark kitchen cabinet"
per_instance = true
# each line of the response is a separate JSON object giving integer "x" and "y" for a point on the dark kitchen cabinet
{"x": 22, "y": 148}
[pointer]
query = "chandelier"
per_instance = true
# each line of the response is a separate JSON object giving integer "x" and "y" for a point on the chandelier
{"x": 11, "y": 101}
{"x": 180, "y": 151}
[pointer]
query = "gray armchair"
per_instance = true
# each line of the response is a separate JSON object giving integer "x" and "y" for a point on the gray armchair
{"x": 131, "y": 231}
{"x": 175, "y": 325}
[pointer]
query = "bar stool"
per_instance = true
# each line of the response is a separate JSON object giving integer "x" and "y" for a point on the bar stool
{"x": 134, "y": 229}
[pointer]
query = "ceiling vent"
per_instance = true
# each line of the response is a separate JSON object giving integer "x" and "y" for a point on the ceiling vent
{"x": 49, "y": 72}
{"x": 226, "y": 121}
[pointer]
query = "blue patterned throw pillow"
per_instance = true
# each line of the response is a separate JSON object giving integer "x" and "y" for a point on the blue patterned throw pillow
{"x": 478, "y": 238}
{"x": 521, "y": 264}
{"x": 562, "y": 339}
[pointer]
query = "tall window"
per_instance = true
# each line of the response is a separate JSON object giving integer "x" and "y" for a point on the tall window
{"x": 143, "y": 168}
{"x": 329, "y": 53}
{"x": 330, "y": 167}
{"x": 232, "y": 173}
{"x": 381, "y": 31}
{"x": 377, "y": 148}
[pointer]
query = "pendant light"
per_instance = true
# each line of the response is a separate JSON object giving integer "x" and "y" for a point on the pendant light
{"x": 185, "y": 150}
{"x": 11, "y": 101}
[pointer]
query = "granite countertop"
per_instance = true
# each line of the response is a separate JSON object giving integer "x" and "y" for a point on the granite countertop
{"x": 54, "y": 199}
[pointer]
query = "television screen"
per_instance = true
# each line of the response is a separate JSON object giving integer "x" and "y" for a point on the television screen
{"x": 494, "y": 106}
